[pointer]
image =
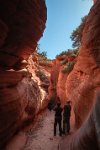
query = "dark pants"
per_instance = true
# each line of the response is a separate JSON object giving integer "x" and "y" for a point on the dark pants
{"x": 57, "y": 121}
{"x": 66, "y": 125}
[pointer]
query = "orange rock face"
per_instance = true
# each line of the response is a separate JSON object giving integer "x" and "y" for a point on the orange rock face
{"x": 21, "y": 26}
{"x": 54, "y": 79}
{"x": 83, "y": 81}
{"x": 61, "y": 86}
{"x": 82, "y": 86}
{"x": 22, "y": 23}
{"x": 58, "y": 78}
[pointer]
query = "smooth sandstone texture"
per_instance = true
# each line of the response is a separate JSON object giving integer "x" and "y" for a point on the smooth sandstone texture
{"x": 22, "y": 23}
{"x": 81, "y": 87}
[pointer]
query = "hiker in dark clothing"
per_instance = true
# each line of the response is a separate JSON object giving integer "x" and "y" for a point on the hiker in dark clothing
{"x": 58, "y": 118}
{"x": 66, "y": 117}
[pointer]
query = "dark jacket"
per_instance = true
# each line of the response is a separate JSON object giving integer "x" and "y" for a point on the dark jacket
{"x": 67, "y": 111}
{"x": 58, "y": 112}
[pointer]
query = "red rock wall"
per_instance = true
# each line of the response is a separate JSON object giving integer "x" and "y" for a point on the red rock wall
{"x": 58, "y": 78}
{"x": 82, "y": 86}
{"x": 87, "y": 136}
{"x": 61, "y": 86}
{"x": 22, "y": 23}
{"x": 83, "y": 81}
{"x": 54, "y": 79}
{"x": 19, "y": 99}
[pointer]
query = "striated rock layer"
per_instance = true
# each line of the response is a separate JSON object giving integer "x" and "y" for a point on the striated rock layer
{"x": 82, "y": 86}
{"x": 59, "y": 77}
{"x": 22, "y": 23}
{"x": 83, "y": 81}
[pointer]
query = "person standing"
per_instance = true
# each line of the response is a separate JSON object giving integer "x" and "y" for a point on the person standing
{"x": 58, "y": 118}
{"x": 66, "y": 117}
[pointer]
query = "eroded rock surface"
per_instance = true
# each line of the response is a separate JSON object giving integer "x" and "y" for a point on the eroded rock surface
{"x": 82, "y": 85}
{"x": 21, "y": 26}
{"x": 22, "y": 23}
{"x": 83, "y": 82}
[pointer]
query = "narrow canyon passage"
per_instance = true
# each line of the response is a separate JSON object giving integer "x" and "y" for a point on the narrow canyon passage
{"x": 41, "y": 137}
{"x": 31, "y": 78}
{"x": 38, "y": 136}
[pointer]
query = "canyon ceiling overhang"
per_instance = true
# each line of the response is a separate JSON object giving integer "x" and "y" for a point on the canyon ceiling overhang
{"x": 22, "y": 23}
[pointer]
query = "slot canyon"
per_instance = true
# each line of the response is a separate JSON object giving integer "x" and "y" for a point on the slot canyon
{"x": 28, "y": 82}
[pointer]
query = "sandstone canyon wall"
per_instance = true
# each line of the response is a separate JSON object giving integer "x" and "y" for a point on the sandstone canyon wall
{"x": 22, "y": 23}
{"x": 83, "y": 82}
{"x": 82, "y": 85}
{"x": 58, "y": 78}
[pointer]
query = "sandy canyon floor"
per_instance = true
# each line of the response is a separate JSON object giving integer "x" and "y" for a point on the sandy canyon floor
{"x": 38, "y": 136}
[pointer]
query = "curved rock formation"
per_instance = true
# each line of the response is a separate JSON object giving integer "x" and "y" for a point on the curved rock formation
{"x": 88, "y": 135}
{"x": 83, "y": 81}
{"x": 59, "y": 75}
{"x": 82, "y": 86}
{"x": 21, "y": 26}
{"x": 54, "y": 79}
{"x": 22, "y": 23}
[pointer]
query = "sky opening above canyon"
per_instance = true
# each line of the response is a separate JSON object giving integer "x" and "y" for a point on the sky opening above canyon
{"x": 63, "y": 16}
